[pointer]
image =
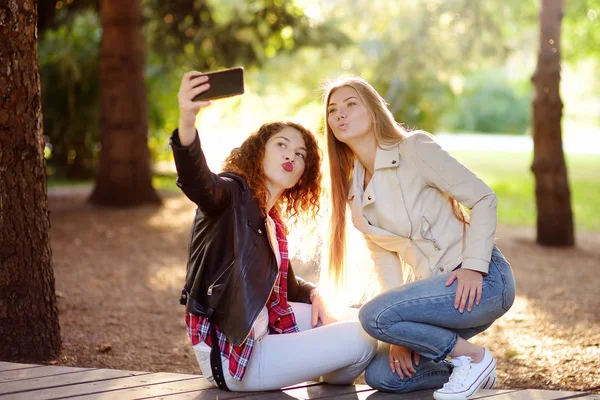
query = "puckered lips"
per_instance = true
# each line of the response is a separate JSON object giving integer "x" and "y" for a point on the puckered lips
{"x": 288, "y": 166}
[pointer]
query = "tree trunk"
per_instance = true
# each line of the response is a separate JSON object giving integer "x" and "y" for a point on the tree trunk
{"x": 554, "y": 219}
{"x": 124, "y": 175}
{"x": 29, "y": 329}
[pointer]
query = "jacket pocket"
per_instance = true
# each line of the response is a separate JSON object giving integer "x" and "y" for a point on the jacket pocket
{"x": 428, "y": 233}
{"x": 217, "y": 281}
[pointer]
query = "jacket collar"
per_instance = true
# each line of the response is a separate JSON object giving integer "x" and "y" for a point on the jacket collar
{"x": 384, "y": 158}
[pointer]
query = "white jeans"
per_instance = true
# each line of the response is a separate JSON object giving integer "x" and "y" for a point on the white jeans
{"x": 338, "y": 352}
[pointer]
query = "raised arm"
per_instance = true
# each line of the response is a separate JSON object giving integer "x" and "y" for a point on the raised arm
{"x": 193, "y": 83}
{"x": 209, "y": 191}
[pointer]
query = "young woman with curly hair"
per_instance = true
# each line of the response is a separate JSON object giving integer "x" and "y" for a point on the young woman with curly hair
{"x": 253, "y": 324}
{"x": 443, "y": 278}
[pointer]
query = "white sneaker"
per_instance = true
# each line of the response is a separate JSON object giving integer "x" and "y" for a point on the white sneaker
{"x": 467, "y": 377}
{"x": 490, "y": 382}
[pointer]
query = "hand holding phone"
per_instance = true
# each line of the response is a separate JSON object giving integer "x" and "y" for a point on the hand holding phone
{"x": 224, "y": 83}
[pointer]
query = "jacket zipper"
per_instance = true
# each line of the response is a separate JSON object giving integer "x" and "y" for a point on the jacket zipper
{"x": 210, "y": 288}
{"x": 274, "y": 282}
{"x": 264, "y": 305}
{"x": 432, "y": 236}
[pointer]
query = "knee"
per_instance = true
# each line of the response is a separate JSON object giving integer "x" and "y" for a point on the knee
{"x": 368, "y": 318}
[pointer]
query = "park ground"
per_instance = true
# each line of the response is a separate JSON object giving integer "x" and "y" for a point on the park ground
{"x": 119, "y": 274}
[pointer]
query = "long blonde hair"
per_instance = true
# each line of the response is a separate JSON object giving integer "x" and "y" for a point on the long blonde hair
{"x": 388, "y": 133}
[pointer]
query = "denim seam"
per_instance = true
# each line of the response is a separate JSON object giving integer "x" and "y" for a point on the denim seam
{"x": 500, "y": 272}
{"x": 448, "y": 349}
{"x": 421, "y": 377}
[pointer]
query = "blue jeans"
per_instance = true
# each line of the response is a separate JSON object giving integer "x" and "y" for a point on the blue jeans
{"x": 421, "y": 316}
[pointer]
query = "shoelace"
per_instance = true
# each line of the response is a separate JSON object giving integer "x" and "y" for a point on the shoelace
{"x": 462, "y": 365}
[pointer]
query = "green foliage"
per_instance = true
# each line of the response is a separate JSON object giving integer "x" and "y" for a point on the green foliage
{"x": 489, "y": 103}
{"x": 581, "y": 30}
{"x": 508, "y": 174}
{"x": 207, "y": 35}
{"x": 68, "y": 58}
{"x": 200, "y": 35}
{"x": 411, "y": 52}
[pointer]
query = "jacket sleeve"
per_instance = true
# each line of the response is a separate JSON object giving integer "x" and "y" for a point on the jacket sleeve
{"x": 388, "y": 266}
{"x": 439, "y": 169}
{"x": 298, "y": 289}
{"x": 210, "y": 192}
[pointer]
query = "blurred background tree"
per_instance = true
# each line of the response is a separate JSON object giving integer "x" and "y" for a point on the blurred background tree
{"x": 179, "y": 36}
{"x": 443, "y": 65}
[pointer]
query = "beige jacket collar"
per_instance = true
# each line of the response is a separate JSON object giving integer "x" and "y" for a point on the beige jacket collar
{"x": 384, "y": 158}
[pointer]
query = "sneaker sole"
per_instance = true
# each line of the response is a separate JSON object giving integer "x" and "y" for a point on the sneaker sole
{"x": 490, "y": 382}
{"x": 488, "y": 379}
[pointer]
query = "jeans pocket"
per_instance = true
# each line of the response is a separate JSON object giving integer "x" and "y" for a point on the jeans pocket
{"x": 508, "y": 280}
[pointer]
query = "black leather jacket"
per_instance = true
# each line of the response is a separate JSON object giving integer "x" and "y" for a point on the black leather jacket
{"x": 231, "y": 265}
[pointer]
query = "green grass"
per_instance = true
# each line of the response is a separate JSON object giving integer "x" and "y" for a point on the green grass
{"x": 159, "y": 181}
{"x": 165, "y": 182}
{"x": 510, "y": 176}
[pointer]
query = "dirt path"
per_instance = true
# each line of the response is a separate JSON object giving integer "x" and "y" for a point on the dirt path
{"x": 119, "y": 274}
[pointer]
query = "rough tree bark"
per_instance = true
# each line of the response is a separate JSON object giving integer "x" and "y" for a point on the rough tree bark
{"x": 124, "y": 176}
{"x": 29, "y": 329}
{"x": 554, "y": 216}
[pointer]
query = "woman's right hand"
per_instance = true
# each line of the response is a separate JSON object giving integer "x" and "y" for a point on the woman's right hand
{"x": 401, "y": 361}
{"x": 193, "y": 83}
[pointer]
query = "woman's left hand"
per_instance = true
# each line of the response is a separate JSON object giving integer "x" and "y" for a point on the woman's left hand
{"x": 320, "y": 311}
{"x": 468, "y": 289}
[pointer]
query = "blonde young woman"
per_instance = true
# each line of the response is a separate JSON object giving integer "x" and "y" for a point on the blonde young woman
{"x": 443, "y": 279}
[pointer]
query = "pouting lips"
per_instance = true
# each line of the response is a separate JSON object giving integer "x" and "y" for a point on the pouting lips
{"x": 288, "y": 166}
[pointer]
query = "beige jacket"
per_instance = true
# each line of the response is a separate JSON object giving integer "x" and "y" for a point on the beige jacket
{"x": 405, "y": 219}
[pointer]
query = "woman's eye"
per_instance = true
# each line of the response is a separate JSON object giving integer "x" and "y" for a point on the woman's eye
{"x": 351, "y": 104}
{"x": 331, "y": 111}
{"x": 281, "y": 144}
{"x": 302, "y": 156}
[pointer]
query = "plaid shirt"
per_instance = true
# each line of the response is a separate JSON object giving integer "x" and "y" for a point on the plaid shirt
{"x": 281, "y": 315}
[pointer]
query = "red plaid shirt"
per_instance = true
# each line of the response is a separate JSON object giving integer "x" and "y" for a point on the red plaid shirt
{"x": 281, "y": 315}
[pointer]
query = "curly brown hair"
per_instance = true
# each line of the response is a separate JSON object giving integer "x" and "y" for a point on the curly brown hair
{"x": 298, "y": 202}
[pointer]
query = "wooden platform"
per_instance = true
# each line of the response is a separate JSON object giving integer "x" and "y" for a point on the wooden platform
{"x": 37, "y": 382}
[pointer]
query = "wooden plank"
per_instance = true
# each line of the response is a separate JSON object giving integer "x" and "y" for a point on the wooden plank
{"x": 324, "y": 391}
{"x": 8, "y": 366}
{"x": 582, "y": 396}
{"x": 213, "y": 393}
{"x": 42, "y": 371}
{"x": 197, "y": 384}
{"x": 90, "y": 386}
{"x": 527, "y": 394}
{"x": 208, "y": 394}
{"x": 371, "y": 395}
{"x": 485, "y": 393}
{"x": 62, "y": 380}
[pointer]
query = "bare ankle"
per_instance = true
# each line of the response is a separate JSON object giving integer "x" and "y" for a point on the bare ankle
{"x": 478, "y": 356}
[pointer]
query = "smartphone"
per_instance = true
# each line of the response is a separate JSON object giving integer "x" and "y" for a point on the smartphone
{"x": 224, "y": 83}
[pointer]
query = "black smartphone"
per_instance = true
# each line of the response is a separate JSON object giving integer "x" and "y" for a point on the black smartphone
{"x": 224, "y": 83}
